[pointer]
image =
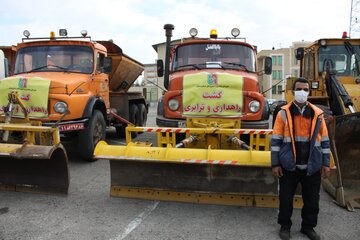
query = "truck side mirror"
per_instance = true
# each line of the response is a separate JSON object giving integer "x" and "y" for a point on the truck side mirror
{"x": 299, "y": 54}
{"x": 268, "y": 66}
{"x": 107, "y": 65}
{"x": 160, "y": 67}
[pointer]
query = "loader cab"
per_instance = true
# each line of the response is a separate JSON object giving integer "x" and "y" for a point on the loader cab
{"x": 339, "y": 56}
{"x": 344, "y": 59}
{"x": 324, "y": 60}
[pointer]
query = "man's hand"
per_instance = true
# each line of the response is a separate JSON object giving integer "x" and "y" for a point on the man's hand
{"x": 277, "y": 171}
{"x": 325, "y": 172}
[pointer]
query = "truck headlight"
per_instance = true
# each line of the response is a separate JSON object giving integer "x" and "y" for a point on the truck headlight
{"x": 254, "y": 106}
{"x": 60, "y": 107}
{"x": 173, "y": 104}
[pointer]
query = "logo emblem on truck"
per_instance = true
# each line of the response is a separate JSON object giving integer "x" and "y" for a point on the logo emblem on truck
{"x": 22, "y": 82}
{"x": 212, "y": 79}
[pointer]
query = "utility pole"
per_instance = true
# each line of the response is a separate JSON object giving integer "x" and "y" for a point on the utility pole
{"x": 354, "y": 28}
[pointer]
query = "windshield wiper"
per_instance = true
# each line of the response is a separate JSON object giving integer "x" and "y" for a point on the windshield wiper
{"x": 188, "y": 65}
{"x": 46, "y": 66}
{"x": 238, "y": 64}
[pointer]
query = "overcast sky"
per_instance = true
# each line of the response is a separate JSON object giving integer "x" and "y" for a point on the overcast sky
{"x": 136, "y": 25}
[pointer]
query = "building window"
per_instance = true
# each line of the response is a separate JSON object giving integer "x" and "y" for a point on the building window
{"x": 296, "y": 73}
{"x": 279, "y": 89}
{"x": 296, "y": 62}
{"x": 273, "y": 74}
{"x": 280, "y": 75}
{"x": 273, "y": 60}
{"x": 279, "y": 60}
{"x": 273, "y": 90}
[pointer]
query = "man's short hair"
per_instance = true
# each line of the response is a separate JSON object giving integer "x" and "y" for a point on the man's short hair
{"x": 302, "y": 80}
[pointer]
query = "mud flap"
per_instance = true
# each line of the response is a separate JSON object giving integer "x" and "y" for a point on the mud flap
{"x": 344, "y": 181}
{"x": 41, "y": 169}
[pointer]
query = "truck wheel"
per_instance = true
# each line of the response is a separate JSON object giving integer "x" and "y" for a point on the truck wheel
{"x": 120, "y": 132}
{"x": 143, "y": 114}
{"x": 276, "y": 111}
{"x": 134, "y": 117}
{"x": 89, "y": 137}
{"x": 266, "y": 111}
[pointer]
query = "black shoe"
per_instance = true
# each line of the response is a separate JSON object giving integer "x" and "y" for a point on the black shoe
{"x": 310, "y": 233}
{"x": 284, "y": 233}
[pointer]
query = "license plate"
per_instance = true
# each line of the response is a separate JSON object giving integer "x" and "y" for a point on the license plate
{"x": 71, "y": 127}
{"x": 181, "y": 124}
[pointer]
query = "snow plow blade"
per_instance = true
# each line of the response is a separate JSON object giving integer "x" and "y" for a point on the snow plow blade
{"x": 344, "y": 181}
{"x": 212, "y": 176}
{"x": 33, "y": 166}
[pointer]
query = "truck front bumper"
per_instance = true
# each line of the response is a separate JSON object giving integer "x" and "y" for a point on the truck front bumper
{"x": 176, "y": 123}
{"x": 255, "y": 124}
{"x": 167, "y": 122}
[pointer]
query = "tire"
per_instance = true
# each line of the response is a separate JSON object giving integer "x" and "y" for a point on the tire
{"x": 143, "y": 114}
{"x": 276, "y": 111}
{"x": 134, "y": 117}
{"x": 266, "y": 111}
{"x": 89, "y": 137}
{"x": 120, "y": 132}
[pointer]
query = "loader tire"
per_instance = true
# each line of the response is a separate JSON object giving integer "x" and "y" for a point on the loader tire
{"x": 89, "y": 137}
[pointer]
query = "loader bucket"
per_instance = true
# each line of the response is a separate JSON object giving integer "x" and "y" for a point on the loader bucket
{"x": 33, "y": 168}
{"x": 344, "y": 181}
{"x": 213, "y": 176}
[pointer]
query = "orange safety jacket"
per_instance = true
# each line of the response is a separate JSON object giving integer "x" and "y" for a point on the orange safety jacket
{"x": 283, "y": 152}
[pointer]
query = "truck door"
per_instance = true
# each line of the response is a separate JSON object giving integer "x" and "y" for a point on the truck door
{"x": 101, "y": 79}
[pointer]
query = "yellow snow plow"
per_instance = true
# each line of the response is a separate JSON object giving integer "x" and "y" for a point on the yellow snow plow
{"x": 32, "y": 158}
{"x": 211, "y": 165}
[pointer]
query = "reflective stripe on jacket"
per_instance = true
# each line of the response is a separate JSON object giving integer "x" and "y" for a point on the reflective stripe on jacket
{"x": 283, "y": 151}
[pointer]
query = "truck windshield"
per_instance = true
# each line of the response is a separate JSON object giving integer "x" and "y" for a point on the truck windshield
{"x": 55, "y": 59}
{"x": 340, "y": 58}
{"x": 214, "y": 55}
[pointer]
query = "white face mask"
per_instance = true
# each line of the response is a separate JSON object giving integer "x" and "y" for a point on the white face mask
{"x": 300, "y": 96}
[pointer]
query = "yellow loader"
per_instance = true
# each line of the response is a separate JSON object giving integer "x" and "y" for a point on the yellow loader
{"x": 332, "y": 66}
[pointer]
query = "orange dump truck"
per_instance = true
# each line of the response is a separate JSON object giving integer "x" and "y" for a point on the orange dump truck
{"x": 76, "y": 85}
{"x": 211, "y": 57}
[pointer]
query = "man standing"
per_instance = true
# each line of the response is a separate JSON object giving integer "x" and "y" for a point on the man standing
{"x": 300, "y": 151}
